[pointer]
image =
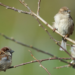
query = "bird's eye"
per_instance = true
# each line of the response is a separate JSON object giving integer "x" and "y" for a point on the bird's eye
{"x": 65, "y": 10}
{"x": 69, "y": 11}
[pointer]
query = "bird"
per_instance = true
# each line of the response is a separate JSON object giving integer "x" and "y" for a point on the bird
{"x": 72, "y": 50}
{"x": 5, "y": 58}
{"x": 63, "y": 24}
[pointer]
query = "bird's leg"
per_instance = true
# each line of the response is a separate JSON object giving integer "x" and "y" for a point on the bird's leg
{"x": 5, "y": 70}
{"x": 54, "y": 29}
{"x": 67, "y": 35}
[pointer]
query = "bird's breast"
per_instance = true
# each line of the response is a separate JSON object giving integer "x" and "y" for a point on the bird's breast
{"x": 5, "y": 63}
{"x": 64, "y": 26}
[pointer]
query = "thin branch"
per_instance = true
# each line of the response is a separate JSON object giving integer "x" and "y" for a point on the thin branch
{"x": 34, "y": 61}
{"x": 62, "y": 66}
{"x": 38, "y": 10}
{"x": 17, "y": 10}
{"x": 66, "y": 44}
{"x": 23, "y": 2}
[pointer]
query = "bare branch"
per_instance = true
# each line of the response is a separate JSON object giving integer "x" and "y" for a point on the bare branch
{"x": 12, "y": 8}
{"x": 23, "y": 2}
{"x": 38, "y": 10}
{"x": 62, "y": 66}
{"x": 34, "y": 61}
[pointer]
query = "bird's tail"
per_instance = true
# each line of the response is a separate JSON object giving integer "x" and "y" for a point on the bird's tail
{"x": 63, "y": 44}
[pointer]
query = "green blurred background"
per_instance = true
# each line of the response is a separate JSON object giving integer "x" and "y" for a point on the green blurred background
{"x": 24, "y": 28}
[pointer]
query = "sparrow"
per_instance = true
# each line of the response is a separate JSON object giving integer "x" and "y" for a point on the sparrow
{"x": 73, "y": 51}
{"x": 64, "y": 24}
{"x": 73, "y": 55}
{"x": 5, "y": 58}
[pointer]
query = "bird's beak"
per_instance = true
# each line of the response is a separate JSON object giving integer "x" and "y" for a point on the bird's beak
{"x": 69, "y": 11}
{"x": 11, "y": 51}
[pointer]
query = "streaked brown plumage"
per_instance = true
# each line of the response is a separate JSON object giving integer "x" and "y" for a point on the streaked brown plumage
{"x": 5, "y": 58}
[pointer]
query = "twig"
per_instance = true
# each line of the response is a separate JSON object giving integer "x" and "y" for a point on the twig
{"x": 40, "y": 63}
{"x": 62, "y": 66}
{"x": 17, "y": 10}
{"x": 34, "y": 61}
{"x": 33, "y": 14}
{"x": 23, "y": 2}
{"x": 66, "y": 44}
{"x": 38, "y": 10}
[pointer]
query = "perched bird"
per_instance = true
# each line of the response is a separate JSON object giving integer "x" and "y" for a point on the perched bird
{"x": 64, "y": 24}
{"x": 73, "y": 53}
{"x": 5, "y": 58}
